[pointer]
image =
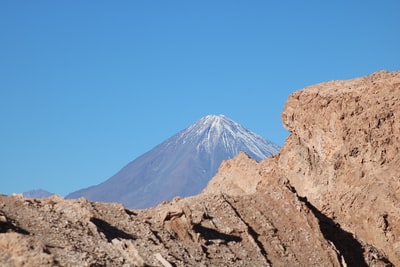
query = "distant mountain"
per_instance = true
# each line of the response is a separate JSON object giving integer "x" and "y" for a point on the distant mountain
{"x": 180, "y": 166}
{"x": 37, "y": 193}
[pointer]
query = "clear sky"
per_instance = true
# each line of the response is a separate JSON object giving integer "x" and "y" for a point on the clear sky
{"x": 87, "y": 86}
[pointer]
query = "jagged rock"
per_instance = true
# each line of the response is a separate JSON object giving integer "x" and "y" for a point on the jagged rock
{"x": 210, "y": 229}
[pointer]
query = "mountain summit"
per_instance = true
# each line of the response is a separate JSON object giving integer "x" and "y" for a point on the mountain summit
{"x": 180, "y": 166}
{"x": 219, "y": 131}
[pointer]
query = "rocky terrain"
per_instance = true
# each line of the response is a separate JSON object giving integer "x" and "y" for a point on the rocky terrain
{"x": 329, "y": 198}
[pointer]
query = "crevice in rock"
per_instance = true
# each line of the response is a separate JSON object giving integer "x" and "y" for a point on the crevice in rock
{"x": 157, "y": 236}
{"x": 130, "y": 212}
{"x": 205, "y": 251}
{"x": 253, "y": 234}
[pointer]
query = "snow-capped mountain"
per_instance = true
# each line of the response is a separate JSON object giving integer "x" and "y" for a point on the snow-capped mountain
{"x": 180, "y": 166}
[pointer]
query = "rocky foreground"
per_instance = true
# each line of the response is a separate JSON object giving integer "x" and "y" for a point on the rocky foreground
{"x": 329, "y": 198}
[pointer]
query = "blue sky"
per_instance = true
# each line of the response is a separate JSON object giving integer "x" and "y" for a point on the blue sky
{"x": 87, "y": 86}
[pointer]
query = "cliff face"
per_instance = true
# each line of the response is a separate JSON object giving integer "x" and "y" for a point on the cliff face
{"x": 330, "y": 197}
{"x": 343, "y": 154}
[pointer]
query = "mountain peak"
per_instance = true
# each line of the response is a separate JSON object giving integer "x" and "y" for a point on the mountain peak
{"x": 214, "y": 131}
{"x": 213, "y": 125}
{"x": 217, "y": 122}
{"x": 214, "y": 116}
{"x": 180, "y": 166}
{"x": 215, "y": 119}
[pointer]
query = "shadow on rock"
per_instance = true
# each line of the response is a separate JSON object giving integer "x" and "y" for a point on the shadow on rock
{"x": 211, "y": 234}
{"x": 348, "y": 246}
{"x": 7, "y": 225}
{"x": 110, "y": 231}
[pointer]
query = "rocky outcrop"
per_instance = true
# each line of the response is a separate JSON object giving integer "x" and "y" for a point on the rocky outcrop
{"x": 329, "y": 198}
{"x": 206, "y": 230}
{"x": 343, "y": 154}
{"x": 237, "y": 176}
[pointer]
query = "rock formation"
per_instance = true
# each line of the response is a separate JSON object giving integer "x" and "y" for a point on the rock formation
{"x": 206, "y": 230}
{"x": 329, "y": 198}
{"x": 343, "y": 154}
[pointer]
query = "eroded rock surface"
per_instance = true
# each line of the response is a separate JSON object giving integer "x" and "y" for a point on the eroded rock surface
{"x": 343, "y": 154}
{"x": 208, "y": 230}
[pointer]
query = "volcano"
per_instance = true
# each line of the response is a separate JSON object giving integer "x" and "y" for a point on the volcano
{"x": 180, "y": 166}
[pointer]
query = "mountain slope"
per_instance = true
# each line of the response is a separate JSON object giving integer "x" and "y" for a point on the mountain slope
{"x": 180, "y": 166}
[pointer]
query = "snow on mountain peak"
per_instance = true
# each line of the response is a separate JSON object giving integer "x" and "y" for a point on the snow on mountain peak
{"x": 213, "y": 130}
{"x": 181, "y": 165}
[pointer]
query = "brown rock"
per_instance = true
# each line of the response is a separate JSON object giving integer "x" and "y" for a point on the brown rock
{"x": 343, "y": 154}
{"x": 269, "y": 229}
{"x": 21, "y": 250}
{"x": 238, "y": 176}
